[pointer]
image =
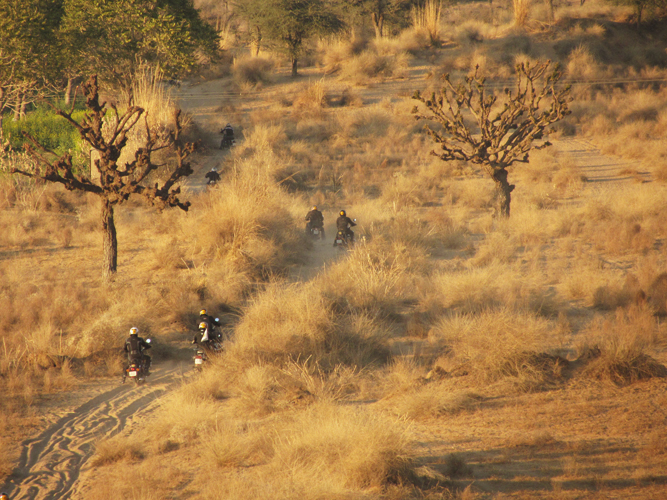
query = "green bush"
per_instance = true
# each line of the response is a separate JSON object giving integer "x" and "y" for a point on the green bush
{"x": 50, "y": 130}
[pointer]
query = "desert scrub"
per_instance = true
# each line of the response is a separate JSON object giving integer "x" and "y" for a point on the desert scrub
{"x": 290, "y": 322}
{"x": 619, "y": 347}
{"x": 349, "y": 446}
{"x": 376, "y": 63}
{"x": 520, "y": 347}
{"x": 252, "y": 71}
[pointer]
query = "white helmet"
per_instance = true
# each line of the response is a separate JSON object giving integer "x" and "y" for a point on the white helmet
{"x": 134, "y": 330}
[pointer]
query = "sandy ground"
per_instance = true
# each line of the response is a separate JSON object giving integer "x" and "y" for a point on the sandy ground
{"x": 52, "y": 462}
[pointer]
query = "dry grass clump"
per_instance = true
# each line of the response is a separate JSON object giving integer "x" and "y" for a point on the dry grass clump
{"x": 252, "y": 71}
{"x": 380, "y": 61}
{"x": 232, "y": 445}
{"x": 191, "y": 415}
{"x": 252, "y": 228}
{"x": 290, "y": 323}
{"x": 432, "y": 401}
{"x": 312, "y": 98}
{"x": 376, "y": 278}
{"x": 351, "y": 447}
{"x": 284, "y": 323}
{"x": 263, "y": 138}
{"x": 263, "y": 389}
{"x": 427, "y": 17}
{"x": 495, "y": 286}
{"x": 521, "y": 12}
{"x": 520, "y": 341}
{"x": 337, "y": 52}
{"x": 116, "y": 449}
{"x": 583, "y": 66}
{"x": 618, "y": 347}
{"x": 326, "y": 451}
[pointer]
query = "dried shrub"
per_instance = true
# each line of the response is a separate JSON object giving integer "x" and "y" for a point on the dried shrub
{"x": 252, "y": 70}
{"x": 117, "y": 449}
{"x": 619, "y": 350}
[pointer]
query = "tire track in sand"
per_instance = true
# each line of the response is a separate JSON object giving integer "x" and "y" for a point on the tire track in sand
{"x": 50, "y": 464}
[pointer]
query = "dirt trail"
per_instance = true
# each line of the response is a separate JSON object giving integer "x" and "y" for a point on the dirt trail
{"x": 51, "y": 463}
{"x": 322, "y": 254}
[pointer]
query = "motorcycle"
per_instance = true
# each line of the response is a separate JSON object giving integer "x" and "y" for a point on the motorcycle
{"x": 316, "y": 232}
{"x": 341, "y": 241}
{"x": 200, "y": 358}
{"x": 227, "y": 143}
{"x": 210, "y": 341}
{"x": 137, "y": 370}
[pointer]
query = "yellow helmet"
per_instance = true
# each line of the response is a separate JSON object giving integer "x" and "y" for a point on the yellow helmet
{"x": 342, "y": 213}
{"x": 314, "y": 207}
{"x": 202, "y": 312}
{"x": 3, "y": 496}
{"x": 133, "y": 331}
{"x": 202, "y": 325}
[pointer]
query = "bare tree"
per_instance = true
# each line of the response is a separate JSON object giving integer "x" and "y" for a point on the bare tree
{"x": 116, "y": 182}
{"x": 505, "y": 131}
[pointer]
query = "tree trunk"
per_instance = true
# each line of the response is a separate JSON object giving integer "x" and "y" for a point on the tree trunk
{"x": 69, "y": 89}
{"x": 19, "y": 108}
{"x": 378, "y": 24}
{"x": 294, "y": 61}
{"x": 503, "y": 196}
{"x": 550, "y": 11}
{"x": 257, "y": 41}
{"x": 110, "y": 241}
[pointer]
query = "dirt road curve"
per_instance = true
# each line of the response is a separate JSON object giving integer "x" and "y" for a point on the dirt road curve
{"x": 50, "y": 464}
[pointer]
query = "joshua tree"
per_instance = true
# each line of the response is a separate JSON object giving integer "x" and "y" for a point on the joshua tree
{"x": 116, "y": 182}
{"x": 505, "y": 130}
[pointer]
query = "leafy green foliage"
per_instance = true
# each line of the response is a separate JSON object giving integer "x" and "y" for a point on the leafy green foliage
{"x": 288, "y": 23}
{"x": 27, "y": 47}
{"x": 382, "y": 13}
{"x": 113, "y": 37}
{"x": 49, "y": 129}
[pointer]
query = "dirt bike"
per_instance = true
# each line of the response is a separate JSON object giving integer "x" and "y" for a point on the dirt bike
{"x": 137, "y": 369}
{"x": 316, "y": 232}
{"x": 342, "y": 241}
{"x": 210, "y": 341}
{"x": 200, "y": 358}
{"x": 227, "y": 143}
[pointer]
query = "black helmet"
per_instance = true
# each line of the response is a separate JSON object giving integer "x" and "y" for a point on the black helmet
{"x": 342, "y": 213}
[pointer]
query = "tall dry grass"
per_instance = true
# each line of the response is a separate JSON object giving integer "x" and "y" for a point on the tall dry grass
{"x": 520, "y": 354}
{"x": 521, "y": 12}
{"x": 383, "y": 59}
{"x": 252, "y": 72}
{"x": 427, "y": 17}
{"x": 619, "y": 347}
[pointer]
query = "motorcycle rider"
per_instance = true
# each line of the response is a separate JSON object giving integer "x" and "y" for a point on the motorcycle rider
{"x": 213, "y": 176}
{"x": 208, "y": 325}
{"x": 227, "y": 136}
{"x": 135, "y": 347}
{"x": 315, "y": 219}
{"x": 343, "y": 224}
